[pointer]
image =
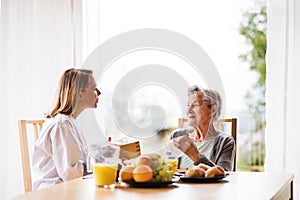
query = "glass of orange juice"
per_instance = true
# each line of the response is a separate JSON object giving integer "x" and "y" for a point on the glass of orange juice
{"x": 106, "y": 159}
{"x": 105, "y": 175}
{"x": 173, "y": 161}
{"x": 171, "y": 155}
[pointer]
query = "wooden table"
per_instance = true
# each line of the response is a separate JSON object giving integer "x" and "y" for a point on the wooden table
{"x": 238, "y": 185}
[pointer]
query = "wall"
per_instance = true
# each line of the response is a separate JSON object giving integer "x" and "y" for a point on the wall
{"x": 283, "y": 95}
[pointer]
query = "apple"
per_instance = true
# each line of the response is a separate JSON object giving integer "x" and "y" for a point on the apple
{"x": 145, "y": 160}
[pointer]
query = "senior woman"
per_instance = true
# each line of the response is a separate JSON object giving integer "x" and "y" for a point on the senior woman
{"x": 203, "y": 143}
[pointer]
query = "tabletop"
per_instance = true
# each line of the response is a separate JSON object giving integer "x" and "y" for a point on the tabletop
{"x": 237, "y": 185}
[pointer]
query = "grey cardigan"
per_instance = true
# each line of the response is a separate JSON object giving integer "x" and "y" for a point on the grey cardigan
{"x": 224, "y": 149}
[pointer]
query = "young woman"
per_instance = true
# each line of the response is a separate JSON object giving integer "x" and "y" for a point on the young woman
{"x": 60, "y": 151}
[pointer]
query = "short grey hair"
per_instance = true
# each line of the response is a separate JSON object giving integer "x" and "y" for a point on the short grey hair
{"x": 210, "y": 97}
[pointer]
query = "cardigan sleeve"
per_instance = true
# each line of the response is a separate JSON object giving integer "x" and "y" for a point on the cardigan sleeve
{"x": 225, "y": 151}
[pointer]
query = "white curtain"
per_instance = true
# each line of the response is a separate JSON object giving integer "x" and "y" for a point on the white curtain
{"x": 90, "y": 26}
{"x": 283, "y": 94}
{"x": 39, "y": 39}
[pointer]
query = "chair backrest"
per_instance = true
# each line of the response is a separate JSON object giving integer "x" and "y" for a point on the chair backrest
{"x": 221, "y": 125}
{"x": 36, "y": 126}
{"x": 130, "y": 150}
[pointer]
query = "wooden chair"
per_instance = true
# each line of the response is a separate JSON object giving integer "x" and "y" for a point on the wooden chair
{"x": 36, "y": 126}
{"x": 130, "y": 150}
{"x": 220, "y": 125}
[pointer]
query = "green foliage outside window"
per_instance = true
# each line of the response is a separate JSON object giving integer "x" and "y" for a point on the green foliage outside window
{"x": 254, "y": 28}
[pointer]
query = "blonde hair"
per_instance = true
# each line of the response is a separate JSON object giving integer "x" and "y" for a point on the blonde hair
{"x": 72, "y": 82}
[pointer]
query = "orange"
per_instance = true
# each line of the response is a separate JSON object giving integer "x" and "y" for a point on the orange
{"x": 142, "y": 173}
{"x": 126, "y": 173}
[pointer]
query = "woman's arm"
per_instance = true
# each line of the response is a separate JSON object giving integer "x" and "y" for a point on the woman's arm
{"x": 187, "y": 146}
{"x": 225, "y": 151}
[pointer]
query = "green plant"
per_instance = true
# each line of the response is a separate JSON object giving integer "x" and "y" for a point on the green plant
{"x": 254, "y": 28}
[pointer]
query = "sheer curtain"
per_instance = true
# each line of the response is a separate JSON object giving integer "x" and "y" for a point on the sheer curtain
{"x": 39, "y": 39}
{"x": 90, "y": 26}
{"x": 283, "y": 94}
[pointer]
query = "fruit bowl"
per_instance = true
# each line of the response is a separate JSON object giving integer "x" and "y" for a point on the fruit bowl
{"x": 147, "y": 170}
{"x": 151, "y": 184}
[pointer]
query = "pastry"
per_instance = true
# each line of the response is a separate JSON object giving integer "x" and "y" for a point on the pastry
{"x": 214, "y": 171}
{"x": 194, "y": 172}
{"x": 203, "y": 166}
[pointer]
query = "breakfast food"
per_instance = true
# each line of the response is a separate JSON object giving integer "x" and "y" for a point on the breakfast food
{"x": 203, "y": 166}
{"x": 214, "y": 171}
{"x": 194, "y": 172}
{"x": 144, "y": 160}
{"x": 206, "y": 171}
{"x": 142, "y": 173}
{"x": 126, "y": 173}
{"x": 147, "y": 168}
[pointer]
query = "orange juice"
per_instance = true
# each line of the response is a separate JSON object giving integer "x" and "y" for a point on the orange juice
{"x": 173, "y": 163}
{"x": 105, "y": 175}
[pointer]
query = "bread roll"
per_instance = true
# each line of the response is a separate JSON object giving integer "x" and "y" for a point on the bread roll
{"x": 221, "y": 170}
{"x": 194, "y": 172}
{"x": 203, "y": 166}
{"x": 214, "y": 171}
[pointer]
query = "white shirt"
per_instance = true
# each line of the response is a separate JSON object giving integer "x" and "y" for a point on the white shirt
{"x": 58, "y": 153}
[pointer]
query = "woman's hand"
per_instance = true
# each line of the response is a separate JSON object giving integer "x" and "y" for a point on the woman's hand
{"x": 187, "y": 146}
